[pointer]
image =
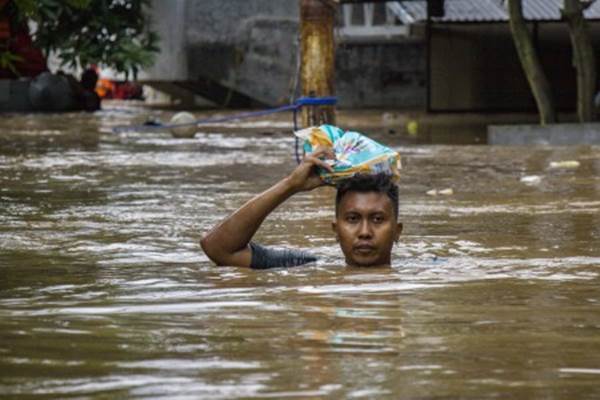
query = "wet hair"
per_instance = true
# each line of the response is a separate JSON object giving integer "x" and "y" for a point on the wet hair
{"x": 379, "y": 183}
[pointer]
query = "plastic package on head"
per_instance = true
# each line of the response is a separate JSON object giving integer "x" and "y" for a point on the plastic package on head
{"x": 354, "y": 153}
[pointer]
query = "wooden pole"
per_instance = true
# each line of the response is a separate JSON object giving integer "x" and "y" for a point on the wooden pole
{"x": 317, "y": 19}
{"x": 428, "y": 60}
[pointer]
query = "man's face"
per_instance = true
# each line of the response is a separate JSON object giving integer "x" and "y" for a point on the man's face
{"x": 366, "y": 228}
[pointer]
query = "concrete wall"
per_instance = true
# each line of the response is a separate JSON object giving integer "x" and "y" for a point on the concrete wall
{"x": 381, "y": 75}
{"x": 251, "y": 46}
{"x": 168, "y": 18}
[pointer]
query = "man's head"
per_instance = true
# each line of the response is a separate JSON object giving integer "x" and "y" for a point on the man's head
{"x": 366, "y": 219}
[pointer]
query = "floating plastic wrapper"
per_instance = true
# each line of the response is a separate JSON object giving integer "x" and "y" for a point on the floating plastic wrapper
{"x": 354, "y": 153}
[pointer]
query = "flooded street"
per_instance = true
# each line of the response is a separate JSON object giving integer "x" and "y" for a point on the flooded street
{"x": 105, "y": 292}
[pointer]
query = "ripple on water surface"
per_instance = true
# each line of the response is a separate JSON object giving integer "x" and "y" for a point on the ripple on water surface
{"x": 105, "y": 292}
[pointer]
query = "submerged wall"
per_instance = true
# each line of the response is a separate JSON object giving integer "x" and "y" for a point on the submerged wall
{"x": 549, "y": 135}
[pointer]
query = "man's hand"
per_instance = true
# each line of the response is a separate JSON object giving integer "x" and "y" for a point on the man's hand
{"x": 305, "y": 177}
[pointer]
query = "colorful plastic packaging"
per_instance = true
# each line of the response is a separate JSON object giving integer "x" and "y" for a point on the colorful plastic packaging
{"x": 354, "y": 153}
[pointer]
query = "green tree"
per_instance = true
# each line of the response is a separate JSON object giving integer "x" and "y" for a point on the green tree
{"x": 110, "y": 33}
{"x": 531, "y": 63}
{"x": 584, "y": 59}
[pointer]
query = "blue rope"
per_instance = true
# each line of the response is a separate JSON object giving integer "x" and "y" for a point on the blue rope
{"x": 252, "y": 114}
{"x": 302, "y": 101}
{"x": 316, "y": 101}
{"x": 296, "y": 141}
{"x": 298, "y": 104}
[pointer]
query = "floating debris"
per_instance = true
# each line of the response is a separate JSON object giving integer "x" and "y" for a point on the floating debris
{"x": 389, "y": 118}
{"x": 412, "y": 127}
{"x": 531, "y": 179}
{"x": 571, "y": 164}
{"x": 186, "y": 131}
{"x": 441, "y": 192}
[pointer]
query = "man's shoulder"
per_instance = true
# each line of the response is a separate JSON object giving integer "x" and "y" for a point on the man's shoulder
{"x": 264, "y": 257}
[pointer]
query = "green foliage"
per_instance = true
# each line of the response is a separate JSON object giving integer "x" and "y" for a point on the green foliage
{"x": 110, "y": 33}
{"x": 9, "y": 60}
{"x": 33, "y": 8}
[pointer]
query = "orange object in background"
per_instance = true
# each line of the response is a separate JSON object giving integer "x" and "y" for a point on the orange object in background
{"x": 105, "y": 88}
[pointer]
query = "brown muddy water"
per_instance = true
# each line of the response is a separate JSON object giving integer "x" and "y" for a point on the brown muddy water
{"x": 105, "y": 293}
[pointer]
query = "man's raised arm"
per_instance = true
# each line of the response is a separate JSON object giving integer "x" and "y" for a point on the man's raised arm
{"x": 227, "y": 243}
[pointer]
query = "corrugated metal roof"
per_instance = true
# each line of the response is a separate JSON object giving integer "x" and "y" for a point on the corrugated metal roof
{"x": 493, "y": 10}
{"x": 458, "y": 10}
{"x": 549, "y": 10}
{"x": 593, "y": 12}
{"x": 542, "y": 10}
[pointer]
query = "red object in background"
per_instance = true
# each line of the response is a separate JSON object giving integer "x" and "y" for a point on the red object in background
{"x": 18, "y": 41}
{"x": 34, "y": 62}
{"x": 4, "y": 23}
{"x": 4, "y": 29}
{"x": 128, "y": 91}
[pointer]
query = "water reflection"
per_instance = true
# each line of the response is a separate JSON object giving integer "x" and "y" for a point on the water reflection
{"x": 105, "y": 292}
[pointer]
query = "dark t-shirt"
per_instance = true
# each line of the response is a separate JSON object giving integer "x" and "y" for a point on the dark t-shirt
{"x": 265, "y": 258}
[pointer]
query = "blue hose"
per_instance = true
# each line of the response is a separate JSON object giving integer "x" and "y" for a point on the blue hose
{"x": 298, "y": 104}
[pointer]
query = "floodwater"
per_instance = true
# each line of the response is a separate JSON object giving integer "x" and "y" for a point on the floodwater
{"x": 105, "y": 292}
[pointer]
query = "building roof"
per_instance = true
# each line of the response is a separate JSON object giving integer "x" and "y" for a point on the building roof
{"x": 457, "y": 11}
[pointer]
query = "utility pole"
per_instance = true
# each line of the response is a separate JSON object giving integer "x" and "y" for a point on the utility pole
{"x": 317, "y": 20}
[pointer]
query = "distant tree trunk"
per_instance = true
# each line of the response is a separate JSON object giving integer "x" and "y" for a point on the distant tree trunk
{"x": 531, "y": 63}
{"x": 584, "y": 59}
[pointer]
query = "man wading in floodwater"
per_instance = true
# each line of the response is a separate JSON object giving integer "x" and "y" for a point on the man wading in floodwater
{"x": 366, "y": 221}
